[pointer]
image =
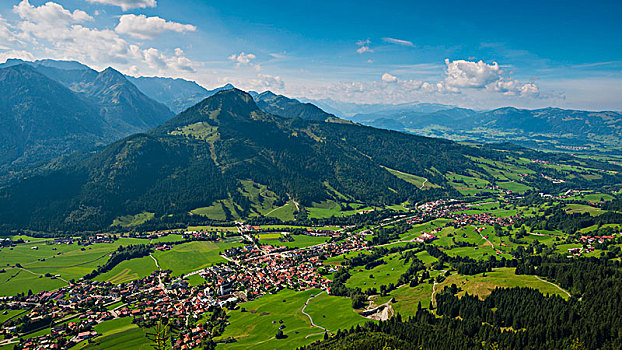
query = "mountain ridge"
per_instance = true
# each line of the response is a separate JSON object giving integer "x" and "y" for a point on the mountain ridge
{"x": 209, "y": 155}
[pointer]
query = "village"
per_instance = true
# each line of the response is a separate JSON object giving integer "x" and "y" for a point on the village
{"x": 250, "y": 271}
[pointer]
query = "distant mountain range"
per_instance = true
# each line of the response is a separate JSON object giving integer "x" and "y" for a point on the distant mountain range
{"x": 176, "y": 94}
{"x": 549, "y": 128}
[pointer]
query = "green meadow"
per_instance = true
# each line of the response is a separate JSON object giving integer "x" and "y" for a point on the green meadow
{"x": 188, "y": 257}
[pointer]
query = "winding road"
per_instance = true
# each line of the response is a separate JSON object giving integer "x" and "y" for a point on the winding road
{"x": 553, "y": 284}
{"x": 309, "y": 316}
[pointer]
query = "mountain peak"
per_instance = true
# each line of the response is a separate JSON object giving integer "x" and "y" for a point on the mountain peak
{"x": 224, "y": 106}
{"x": 268, "y": 94}
{"x": 111, "y": 71}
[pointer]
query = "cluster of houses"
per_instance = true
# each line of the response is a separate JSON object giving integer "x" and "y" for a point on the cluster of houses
{"x": 461, "y": 220}
{"x": 260, "y": 269}
{"x": 252, "y": 271}
{"x": 88, "y": 303}
{"x": 596, "y": 239}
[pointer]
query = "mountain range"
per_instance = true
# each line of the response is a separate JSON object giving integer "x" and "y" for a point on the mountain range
{"x": 47, "y": 112}
{"x": 548, "y": 128}
{"x": 226, "y": 153}
{"x": 81, "y": 148}
{"x": 52, "y": 108}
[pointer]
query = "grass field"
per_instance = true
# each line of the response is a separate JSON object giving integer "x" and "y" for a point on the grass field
{"x": 407, "y": 298}
{"x": 324, "y": 210}
{"x": 467, "y": 185}
{"x": 269, "y": 236}
{"x": 382, "y": 274}
{"x": 129, "y": 270}
{"x": 499, "y": 278}
{"x": 582, "y": 208}
{"x": 191, "y": 256}
{"x": 426, "y": 258}
{"x": 333, "y": 312}
{"x": 215, "y": 211}
{"x": 133, "y": 220}
{"x": 284, "y": 213}
{"x": 213, "y": 228}
{"x": 255, "y": 329}
{"x": 68, "y": 261}
{"x": 300, "y": 241}
{"x": 119, "y": 334}
{"x": 5, "y": 315}
{"x": 331, "y": 208}
{"x": 421, "y": 182}
{"x": 290, "y": 227}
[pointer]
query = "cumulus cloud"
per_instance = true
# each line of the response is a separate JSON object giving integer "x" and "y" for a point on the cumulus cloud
{"x": 398, "y": 42}
{"x": 127, "y": 4}
{"x": 270, "y": 81}
{"x": 514, "y": 87}
{"x": 462, "y": 74}
{"x": 156, "y": 59}
{"x": 388, "y": 78}
{"x": 62, "y": 34}
{"x": 468, "y": 74}
{"x": 242, "y": 58}
{"x": 144, "y": 27}
{"x": 363, "y": 46}
{"x": 51, "y": 13}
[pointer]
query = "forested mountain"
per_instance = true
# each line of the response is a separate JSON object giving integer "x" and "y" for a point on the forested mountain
{"x": 289, "y": 108}
{"x": 40, "y": 118}
{"x": 52, "y": 108}
{"x": 176, "y": 94}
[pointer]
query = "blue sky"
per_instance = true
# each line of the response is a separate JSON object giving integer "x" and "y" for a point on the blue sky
{"x": 481, "y": 54}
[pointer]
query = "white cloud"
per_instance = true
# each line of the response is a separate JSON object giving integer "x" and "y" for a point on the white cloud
{"x": 59, "y": 33}
{"x": 363, "y": 46}
{"x": 144, "y": 27}
{"x": 269, "y": 81}
{"x": 156, "y": 59}
{"x": 462, "y": 74}
{"x": 514, "y": 87}
{"x": 388, "y": 78}
{"x": 23, "y": 55}
{"x": 242, "y": 58}
{"x": 398, "y": 42}
{"x": 126, "y": 4}
{"x": 51, "y": 13}
{"x": 260, "y": 82}
{"x": 468, "y": 74}
{"x": 6, "y": 33}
